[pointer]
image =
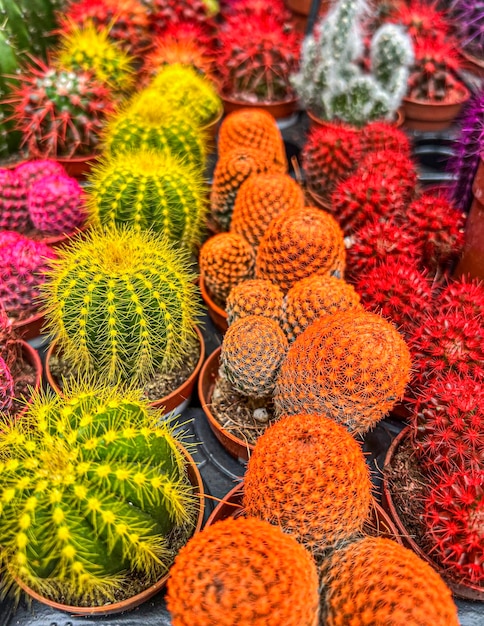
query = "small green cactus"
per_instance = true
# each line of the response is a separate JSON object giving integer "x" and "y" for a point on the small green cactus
{"x": 93, "y": 490}
{"x": 147, "y": 189}
{"x": 122, "y": 303}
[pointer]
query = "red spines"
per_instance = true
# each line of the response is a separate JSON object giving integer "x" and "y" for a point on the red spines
{"x": 377, "y": 136}
{"x": 464, "y": 293}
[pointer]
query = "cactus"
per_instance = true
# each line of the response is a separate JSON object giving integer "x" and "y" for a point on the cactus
{"x": 464, "y": 294}
{"x": 352, "y": 367}
{"x": 260, "y": 199}
{"x": 147, "y": 189}
{"x": 254, "y": 297}
{"x": 466, "y": 18}
{"x": 14, "y": 213}
{"x": 308, "y": 476}
{"x": 376, "y": 136}
{"x": 390, "y": 163}
{"x": 262, "y": 577}
{"x": 377, "y": 581}
{"x": 56, "y": 205}
{"x": 164, "y": 13}
{"x": 29, "y": 172}
{"x": 253, "y": 350}
{"x": 110, "y": 494}
{"x": 138, "y": 304}
{"x": 225, "y": 261}
{"x": 298, "y": 243}
{"x": 59, "y": 112}
{"x": 421, "y": 20}
{"x": 314, "y": 297}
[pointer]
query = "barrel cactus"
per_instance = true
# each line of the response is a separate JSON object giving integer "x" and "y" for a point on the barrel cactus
{"x": 94, "y": 493}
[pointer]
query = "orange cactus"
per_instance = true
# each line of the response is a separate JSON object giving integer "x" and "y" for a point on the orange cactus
{"x": 253, "y": 350}
{"x": 225, "y": 260}
{"x": 351, "y": 366}
{"x": 314, "y": 297}
{"x": 243, "y": 571}
{"x": 308, "y": 475}
{"x": 254, "y": 297}
{"x": 261, "y": 198}
{"x": 298, "y": 243}
{"x": 376, "y": 581}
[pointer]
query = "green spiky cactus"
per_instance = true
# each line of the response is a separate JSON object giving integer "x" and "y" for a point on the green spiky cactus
{"x": 122, "y": 303}
{"x": 93, "y": 489}
{"x": 153, "y": 190}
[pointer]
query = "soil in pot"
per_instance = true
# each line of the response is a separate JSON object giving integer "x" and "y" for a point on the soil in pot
{"x": 26, "y": 377}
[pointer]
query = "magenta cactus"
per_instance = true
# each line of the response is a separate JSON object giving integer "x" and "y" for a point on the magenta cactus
{"x": 56, "y": 205}
{"x": 14, "y": 213}
{"x": 30, "y": 172}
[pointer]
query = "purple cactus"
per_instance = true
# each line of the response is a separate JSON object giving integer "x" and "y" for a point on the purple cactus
{"x": 56, "y": 205}
{"x": 468, "y": 19}
{"x": 14, "y": 214}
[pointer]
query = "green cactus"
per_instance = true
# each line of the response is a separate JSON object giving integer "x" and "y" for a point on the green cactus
{"x": 153, "y": 190}
{"x": 93, "y": 490}
{"x": 122, "y": 303}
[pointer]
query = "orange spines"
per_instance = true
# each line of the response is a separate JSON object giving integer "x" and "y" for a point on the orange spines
{"x": 225, "y": 260}
{"x": 253, "y": 350}
{"x": 232, "y": 169}
{"x": 352, "y": 367}
{"x": 242, "y": 572}
{"x": 375, "y": 581}
{"x": 298, "y": 243}
{"x": 255, "y": 129}
{"x": 261, "y": 198}
{"x": 308, "y": 475}
{"x": 254, "y": 297}
{"x": 314, "y": 297}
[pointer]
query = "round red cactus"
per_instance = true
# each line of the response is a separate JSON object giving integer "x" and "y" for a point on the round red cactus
{"x": 464, "y": 293}
{"x": 392, "y": 163}
{"x": 376, "y": 136}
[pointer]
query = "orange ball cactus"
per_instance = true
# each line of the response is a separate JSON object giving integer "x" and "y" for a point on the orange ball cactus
{"x": 225, "y": 260}
{"x": 253, "y": 350}
{"x": 377, "y": 581}
{"x": 232, "y": 169}
{"x": 351, "y": 366}
{"x": 308, "y": 475}
{"x": 242, "y": 572}
{"x": 254, "y": 297}
{"x": 314, "y": 297}
{"x": 255, "y": 129}
{"x": 299, "y": 243}
{"x": 261, "y": 198}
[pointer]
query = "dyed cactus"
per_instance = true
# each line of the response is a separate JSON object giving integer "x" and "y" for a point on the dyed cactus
{"x": 110, "y": 485}
{"x": 351, "y": 367}
{"x": 466, "y": 17}
{"x": 260, "y": 199}
{"x": 391, "y": 163}
{"x": 254, "y": 297}
{"x": 253, "y": 350}
{"x": 375, "y": 580}
{"x": 56, "y": 205}
{"x": 298, "y": 243}
{"x": 264, "y": 577}
{"x": 147, "y": 189}
{"x": 14, "y": 214}
{"x": 376, "y": 136}
{"x": 308, "y": 476}
{"x": 138, "y": 304}
{"x": 165, "y": 13}
{"x": 421, "y": 20}
{"x": 463, "y": 294}
{"x": 29, "y": 172}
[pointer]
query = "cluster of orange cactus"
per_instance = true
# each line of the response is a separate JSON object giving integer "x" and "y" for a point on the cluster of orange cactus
{"x": 254, "y": 297}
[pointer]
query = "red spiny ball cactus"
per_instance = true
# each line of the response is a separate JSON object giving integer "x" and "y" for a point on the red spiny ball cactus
{"x": 377, "y": 581}
{"x": 391, "y": 164}
{"x": 165, "y": 13}
{"x": 376, "y": 136}
{"x": 454, "y": 514}
{"x": 434, "y": 74}
{"x": 464, "y": 293}
{"x": 352, "y": 367}
{"x": 225, "y": 260}
{"x": 330, "y": 155}
{"x": 56, "y": 205}
{"x": 243, "y": 571}
{"x": 29, "y": 172}
{"x": 254, "y": 297}
{"x": 448, "y": 423}
{"x": 298, "y": 243}
{"x": 252, "y": 352}
{"x": 314, "y": 297}
{"x": 261, "y": 198}
{"x": 14, "y": 214}
{"x": 308, "y": 475}
{"x": 6, "y": 386}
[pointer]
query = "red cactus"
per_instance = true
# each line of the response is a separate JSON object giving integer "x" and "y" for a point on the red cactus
{"x": 421, "y": 20}
{"x": 465, "y": 294}
{"x": 376, "y": 136}
{"x": 165, "y": 13}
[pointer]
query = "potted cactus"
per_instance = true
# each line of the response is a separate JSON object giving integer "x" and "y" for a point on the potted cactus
{"x": 466, "y": 17}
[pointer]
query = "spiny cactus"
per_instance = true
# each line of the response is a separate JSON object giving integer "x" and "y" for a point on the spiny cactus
{"x": 110, "y": 488}
{"x": 253, "y": 350}
{"x": 165, "y": 13}
{"x": 308, "y": 475}
{"x": 147, "y": 189}
{"x": 377, "y": 581}
{"x": 314, "y": 297}
{"x": 466, "y": 18}
{"x": 29, "y": 172}
{"x": 421, "y": 20}
{"x": 352, "y": 367}
{"x": 260, "y": 199}
{"x": 14, "y": 214}
{"x": 254, "y": 297}
{"x": 263, "y": 578}
{"x": 298, "y": 243}
{"x": 391, "y": 163}
{"x": 123, "y": 303}
{"x": 463, "y": 293}
{"x": 56, "y": 205}
{"x": 225, "y": 260}
{"x": 378, "y": 135}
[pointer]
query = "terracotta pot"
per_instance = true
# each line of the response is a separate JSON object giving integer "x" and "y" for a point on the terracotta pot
{"x": 474, "y": 64}
{"x": 78, "y": 167}
{"x": 460, "y": 589}
{"x": 300, "y": 10}
{"x": 32, "y": 357}
{"x": 279, "y": 110}
{"x": 432, "y": 116}
{"x": 175, "y": 402}
{"x": 216, "y": 313}
{"x": 130, "y": 603}
{"x": 30, "y": 327}
{"x": 318, "y": 122}
{"x": 236, "y": 447}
